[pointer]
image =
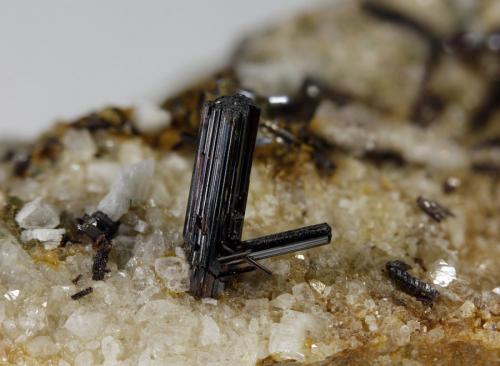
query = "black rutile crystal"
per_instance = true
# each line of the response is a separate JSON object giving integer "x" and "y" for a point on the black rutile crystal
{"x": 77, "y": 279}
{"x": 97, "y": 225}
{"x": 218, "y": 196}
{"x": 285, "y": 242}
{"x": 433, "y": 209}
{"x": 219, "y": 186}
{"x": 101, "y": 261}
{"x": 82, "y": 293}
{"x": 422, "y": 291}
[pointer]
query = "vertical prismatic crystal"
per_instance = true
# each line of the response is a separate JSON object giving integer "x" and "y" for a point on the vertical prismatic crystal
{"x": 217, "y": 201}
{"x": 219, "y": 186}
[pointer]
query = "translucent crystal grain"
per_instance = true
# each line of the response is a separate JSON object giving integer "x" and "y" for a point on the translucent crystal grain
{"x": 287, "y": 339}
{"x": 37, "y": 214}
{"x": 210, "y": 332}
{"x": 51, "y": 238}
{"x": 283, "y": 301}
{"x": 443, "y": 274}
{"x": 111, "y": 348}
{"x": 85, "y": 358}
{"x": 174, "y": 272}
{"x": 131, "y": 187}
{"x": 80, "y": 144}
{"x": 85, "y": 324}
{"x": 150, "y": 118}
{"x": 42, "y": 346}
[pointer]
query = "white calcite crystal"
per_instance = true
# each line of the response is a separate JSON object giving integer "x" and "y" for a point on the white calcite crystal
{"x": 41, "y": 346}
{"x": 51, "y": 238}
{"x": 210, "y": 332}
{"x": 111, "y": 349}
{"x": 80, "y": 144}
{"x": 150, "y": 118}
{"x": 101, "y": 174}
{"x": 86, "y": 325}
{"x": 37, "y": 214}
{"x": 283, "y": 301}
{"x": 174, "y": 272}
{"x": 85, "y": 358}
{"x": 287, "y": 339}
{"x": 131, "y": 187}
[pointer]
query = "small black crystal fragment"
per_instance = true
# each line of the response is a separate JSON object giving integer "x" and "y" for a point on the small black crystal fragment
{"x": 8, "y": 155}
{"x": 22, "y": 161}
{"x": 490, "y": 142}
{"x": 379, "y": 157}
{"x": 422, "y": 291}
{"x": 77, "y": 279}
{"x": 82, "y": 293}
{"x": 303, "y": 104}
{"x": 486, "y": 168}
{"x": 101, "y": 261}
{"x": 451, "y": 184}
{"x": 433, "y": 209}
{"x": 97, "y": 225}
{"x": 218, "y": 196}
{"x": 490, "y": 104}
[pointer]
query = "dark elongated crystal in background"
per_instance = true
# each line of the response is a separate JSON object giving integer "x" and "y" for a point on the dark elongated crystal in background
{"x": 218, "y": 197}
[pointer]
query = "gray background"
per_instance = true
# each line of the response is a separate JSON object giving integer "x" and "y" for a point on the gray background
{"x": 62, "y": 58}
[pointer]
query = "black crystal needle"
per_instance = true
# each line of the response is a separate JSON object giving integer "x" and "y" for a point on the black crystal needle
{"x": 282, "y": 243}
{"x": 218, "y": 196}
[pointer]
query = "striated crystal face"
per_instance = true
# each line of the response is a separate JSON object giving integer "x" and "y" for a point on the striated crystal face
{"x": 219, "y": 186}
{"x": 358, "y": 164}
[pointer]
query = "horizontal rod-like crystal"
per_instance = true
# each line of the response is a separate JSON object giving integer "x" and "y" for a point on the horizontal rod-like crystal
{"x": 281, "y": 243}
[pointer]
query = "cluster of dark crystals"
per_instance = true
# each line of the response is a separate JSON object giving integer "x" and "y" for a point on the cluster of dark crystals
{"x": 97, "y": 225}
{"x": 299, "y": 107}
{"x": 100, "y": 229}
{"x": 218, "y": 196}
{"x": 422, "y": 291}
{"x": 433, "y": 209}
{"x": 468, "y": 46}
{"x": 110, "y": 119}
{"x": 302, "y": 105}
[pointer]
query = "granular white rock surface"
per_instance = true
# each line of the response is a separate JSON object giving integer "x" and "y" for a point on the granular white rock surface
{"x": 317, "y": 304}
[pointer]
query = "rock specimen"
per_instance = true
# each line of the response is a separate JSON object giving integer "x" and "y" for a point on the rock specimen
{"x": 343, "y": 139}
